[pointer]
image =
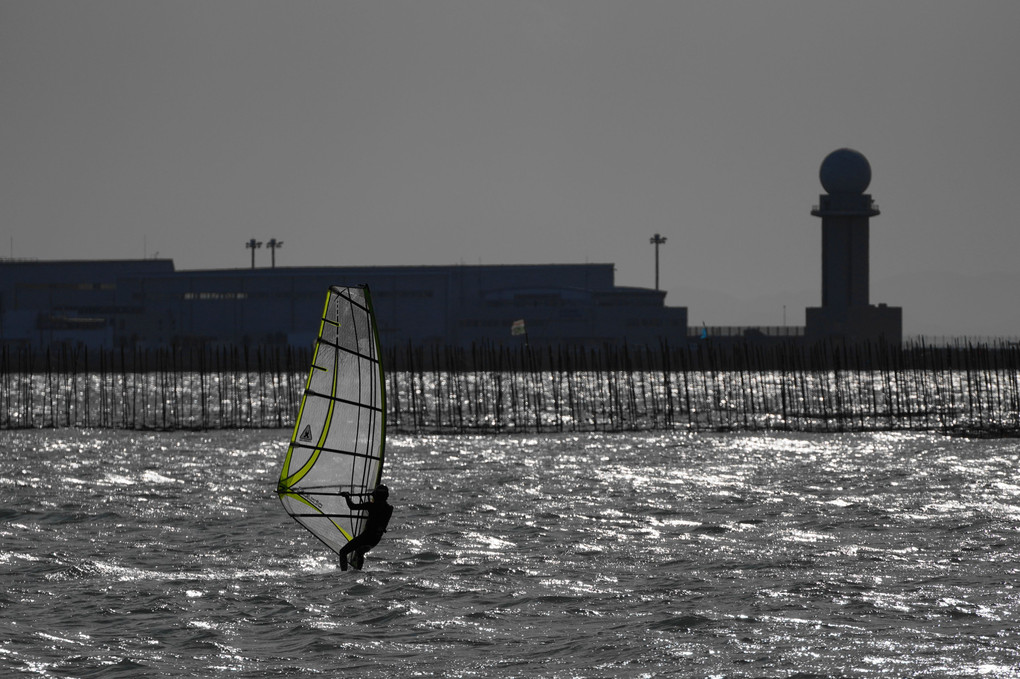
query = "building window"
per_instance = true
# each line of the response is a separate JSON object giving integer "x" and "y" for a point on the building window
{"x": 213, "y": 296}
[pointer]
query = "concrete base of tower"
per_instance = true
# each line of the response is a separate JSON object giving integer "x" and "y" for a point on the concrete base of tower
{"x": 855, "y": 324}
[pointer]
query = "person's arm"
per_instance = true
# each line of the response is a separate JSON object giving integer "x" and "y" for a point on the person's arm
{"x": 353, "y": 505}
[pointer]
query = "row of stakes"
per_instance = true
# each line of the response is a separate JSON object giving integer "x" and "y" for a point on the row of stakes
{"x": 964, "y": 387}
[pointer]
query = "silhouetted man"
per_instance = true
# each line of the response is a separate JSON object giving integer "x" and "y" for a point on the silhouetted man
{"x": 379, "y": 513}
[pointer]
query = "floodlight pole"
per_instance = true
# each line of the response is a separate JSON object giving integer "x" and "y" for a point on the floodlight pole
{"x": 253, "y": 244}
{"x": 657, "y": 240}
{"x": 272, "y": 244}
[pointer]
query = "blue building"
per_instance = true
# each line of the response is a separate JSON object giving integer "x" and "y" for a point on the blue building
{"x": 149, "y": 304}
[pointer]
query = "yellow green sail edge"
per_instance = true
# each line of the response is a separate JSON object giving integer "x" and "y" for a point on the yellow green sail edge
{"x": 286, "y": 478}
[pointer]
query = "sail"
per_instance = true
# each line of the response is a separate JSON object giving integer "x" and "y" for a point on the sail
{"x": 340, "y": 434}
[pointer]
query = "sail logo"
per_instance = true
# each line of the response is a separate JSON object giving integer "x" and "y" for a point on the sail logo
{"x": 306, "y": 435}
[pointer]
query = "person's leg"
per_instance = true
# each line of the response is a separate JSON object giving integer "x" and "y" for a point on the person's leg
{"x": 352, "y": 546}
{"x": 365, "y": 543}
{"x": 344, "y": 551}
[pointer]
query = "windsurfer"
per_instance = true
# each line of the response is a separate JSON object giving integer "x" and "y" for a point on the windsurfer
{"x": 379, "y": 513}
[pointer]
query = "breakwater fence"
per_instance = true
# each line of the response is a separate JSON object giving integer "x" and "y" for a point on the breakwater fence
{"x": 964, "y": 387}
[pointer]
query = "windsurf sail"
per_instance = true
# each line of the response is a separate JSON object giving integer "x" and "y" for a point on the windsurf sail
{"x": 339, "y": 438}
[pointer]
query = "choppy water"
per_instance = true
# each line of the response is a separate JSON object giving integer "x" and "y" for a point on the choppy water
{"x": 867, "y": 555}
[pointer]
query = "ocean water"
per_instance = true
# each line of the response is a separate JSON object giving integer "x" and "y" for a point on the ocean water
{"x": 130, "y": 554}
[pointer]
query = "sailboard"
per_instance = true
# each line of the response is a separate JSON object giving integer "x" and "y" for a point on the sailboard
{"x": 339, "y": 439}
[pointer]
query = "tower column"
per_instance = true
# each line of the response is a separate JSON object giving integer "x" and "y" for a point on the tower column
{"x": 846, "y": 211}
{"x": 845, "y": 249}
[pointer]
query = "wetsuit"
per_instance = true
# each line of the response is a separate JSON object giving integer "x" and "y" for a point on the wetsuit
{"x": 378, "y": 518}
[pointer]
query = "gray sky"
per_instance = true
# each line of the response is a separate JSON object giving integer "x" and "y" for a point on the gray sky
{"x": 445, "y": 132}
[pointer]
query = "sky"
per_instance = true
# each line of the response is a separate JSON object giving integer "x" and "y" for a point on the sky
{"x": 437, "y": 132}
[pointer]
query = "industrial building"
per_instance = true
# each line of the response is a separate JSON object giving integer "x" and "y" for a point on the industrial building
{"x": 148, "y": 303}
